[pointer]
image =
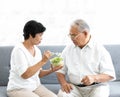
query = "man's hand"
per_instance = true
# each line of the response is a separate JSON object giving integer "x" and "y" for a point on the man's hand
{"x": 67, "y": 87}
{"x": 88, "y": 80}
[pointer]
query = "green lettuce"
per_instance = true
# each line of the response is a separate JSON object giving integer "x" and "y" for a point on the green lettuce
{"x": 56, "y": 61}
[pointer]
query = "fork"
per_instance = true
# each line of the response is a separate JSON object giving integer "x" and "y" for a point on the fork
{"x": 56, "y": 53}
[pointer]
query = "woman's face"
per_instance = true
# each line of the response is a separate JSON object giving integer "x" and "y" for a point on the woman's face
{"x": 37, "y": 39}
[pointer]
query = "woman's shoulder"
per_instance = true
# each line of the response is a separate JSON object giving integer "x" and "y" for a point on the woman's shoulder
{"x": 18, "y": 48}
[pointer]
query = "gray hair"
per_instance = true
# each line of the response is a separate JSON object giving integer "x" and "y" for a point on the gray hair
{"x": 81, "y": 25}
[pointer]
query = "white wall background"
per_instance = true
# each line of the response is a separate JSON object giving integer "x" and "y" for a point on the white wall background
{"x": 103, "y": 16}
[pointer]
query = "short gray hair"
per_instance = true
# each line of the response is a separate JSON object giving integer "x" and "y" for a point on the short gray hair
{"x": 81, "y": 25}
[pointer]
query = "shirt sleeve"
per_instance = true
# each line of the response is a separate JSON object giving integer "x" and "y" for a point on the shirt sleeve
{"x": 106, "y": 64}
{"x": 19, "y": 62}
{"x": 63, "y": 70}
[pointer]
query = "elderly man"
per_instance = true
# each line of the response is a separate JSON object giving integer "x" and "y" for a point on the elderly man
{"x": 87, "y": 64}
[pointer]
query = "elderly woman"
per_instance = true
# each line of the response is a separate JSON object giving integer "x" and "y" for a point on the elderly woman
{"x": 26, "y": 65}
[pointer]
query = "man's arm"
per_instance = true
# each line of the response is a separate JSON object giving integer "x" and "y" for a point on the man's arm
{"x": 67, "y": 87}
{"x": 89, "y": 79}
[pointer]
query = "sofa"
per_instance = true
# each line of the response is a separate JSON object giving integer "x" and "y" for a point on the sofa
{"x": 51, "y": 81}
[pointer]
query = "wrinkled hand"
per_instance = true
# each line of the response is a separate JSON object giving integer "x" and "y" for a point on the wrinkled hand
{"x": 88, "y": 80}
{"x": 67, "y": 87}
{"x": 46, "y": 56}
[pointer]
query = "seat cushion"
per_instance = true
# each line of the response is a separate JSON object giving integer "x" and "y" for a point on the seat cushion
{"x": 53, "y": 87}
{"x": 115, "y": 89}
{"x": 3, "y": 91}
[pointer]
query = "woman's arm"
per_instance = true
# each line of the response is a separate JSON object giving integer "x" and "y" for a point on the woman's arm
{"x": 49, "y": 71}
{"x": 33, "y": 69}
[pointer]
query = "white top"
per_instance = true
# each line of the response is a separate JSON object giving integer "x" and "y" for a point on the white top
{"x": 21, "y": 59}
{"x": 93, "y": 59}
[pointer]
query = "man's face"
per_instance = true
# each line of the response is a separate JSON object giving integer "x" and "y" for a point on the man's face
{"x": 76, "y": 36}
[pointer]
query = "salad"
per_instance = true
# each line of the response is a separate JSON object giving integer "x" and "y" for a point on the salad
{"x": 56, "y": 61}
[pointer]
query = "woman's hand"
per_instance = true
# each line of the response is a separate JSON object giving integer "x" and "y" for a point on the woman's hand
{"x": 49, "y": 71}
{"x": 55, "y": 68}
{"x": 46, "y": 56}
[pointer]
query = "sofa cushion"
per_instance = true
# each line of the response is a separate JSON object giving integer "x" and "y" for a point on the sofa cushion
{"x": 53, "y": 87}
{"x": 5, "y": 53}
{"x": 114, "y": 51}
{"x": 3, "y": 91}
{"x": 114, "y": 89}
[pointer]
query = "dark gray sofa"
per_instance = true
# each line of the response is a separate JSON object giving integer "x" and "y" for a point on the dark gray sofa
{"x": 50, "y": 81}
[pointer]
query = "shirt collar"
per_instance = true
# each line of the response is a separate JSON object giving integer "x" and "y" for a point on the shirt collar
{"x": 90, "y": 43}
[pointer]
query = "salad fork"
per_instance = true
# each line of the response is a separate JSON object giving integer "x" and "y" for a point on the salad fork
{"x": 56, "y": 53}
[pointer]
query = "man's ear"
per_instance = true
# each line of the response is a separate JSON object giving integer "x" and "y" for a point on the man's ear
{"x": 85, "y": 33}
